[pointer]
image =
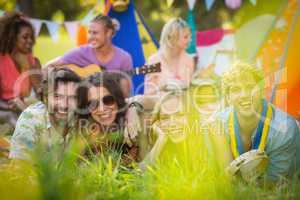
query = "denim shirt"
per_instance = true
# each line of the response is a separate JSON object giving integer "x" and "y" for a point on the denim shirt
{"x": 282, "y": 144}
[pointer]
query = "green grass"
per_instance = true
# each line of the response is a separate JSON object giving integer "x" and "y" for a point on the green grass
{"x": 67, "y": 176}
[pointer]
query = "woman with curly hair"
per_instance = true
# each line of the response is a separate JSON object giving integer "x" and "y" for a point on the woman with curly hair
{"x": 19, "y": 69}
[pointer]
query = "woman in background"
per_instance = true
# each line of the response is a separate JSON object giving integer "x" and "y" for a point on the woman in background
{"x": 176, "y": 64}
{"x": 16, "y": 58}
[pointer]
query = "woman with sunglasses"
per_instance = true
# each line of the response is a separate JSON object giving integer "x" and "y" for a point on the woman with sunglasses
{"x": 104, "y": 118}
{"x": 177, "y": 66}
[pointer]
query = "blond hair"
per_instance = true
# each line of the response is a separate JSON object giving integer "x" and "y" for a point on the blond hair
{"x": 238, "y": 72}
{"x": 108, "y": 22}
{"x": 171, "y": 32}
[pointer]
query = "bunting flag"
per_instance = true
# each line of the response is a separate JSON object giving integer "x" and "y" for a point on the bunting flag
{"x": 233, "y": 4}
{"x": 169, "y": 3}
{"x": 72, "y": 28}
{"x": 134, "y": 39}
{"x": 37, "y": 24}
{"x": 278, "y": 57}
{"x": 190, "y": 19}
{"x": 191, "y": 4}
{"x": 209, "y": 4}
{"x": 82, "y": 35}
{"x": 86, "y": 20}
{"x": 53, "y": 28}
{"x": 253, "y": 2}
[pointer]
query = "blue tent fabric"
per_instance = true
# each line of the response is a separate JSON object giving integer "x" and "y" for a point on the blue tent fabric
{"x": 128, "y": 39}
{"x": 147, "y": 28}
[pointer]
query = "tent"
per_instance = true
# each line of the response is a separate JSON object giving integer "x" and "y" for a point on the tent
{"x": 271, "y": 41}
{"x": 135, "y": 37}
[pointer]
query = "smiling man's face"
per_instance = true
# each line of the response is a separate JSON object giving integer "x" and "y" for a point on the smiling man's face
{"x": 246, "y": 96}
{"x": 63, "y": 101}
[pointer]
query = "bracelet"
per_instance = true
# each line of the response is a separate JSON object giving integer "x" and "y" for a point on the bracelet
{"x": 140, "y": 107}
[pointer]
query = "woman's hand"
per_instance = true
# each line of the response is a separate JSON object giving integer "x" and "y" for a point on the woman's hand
{"x": 133, "y": 126}
{"x": 17, "y": 104}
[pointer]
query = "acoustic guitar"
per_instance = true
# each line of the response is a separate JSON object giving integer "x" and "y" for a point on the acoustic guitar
{"x": 88, "y": 70}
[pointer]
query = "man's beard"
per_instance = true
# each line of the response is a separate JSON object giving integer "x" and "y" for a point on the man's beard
{"x": 63, "y": 122}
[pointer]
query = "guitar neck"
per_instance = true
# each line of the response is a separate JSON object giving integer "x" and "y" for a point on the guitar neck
{"x": 146, "y": 69}
{"x": 134, "y": 71}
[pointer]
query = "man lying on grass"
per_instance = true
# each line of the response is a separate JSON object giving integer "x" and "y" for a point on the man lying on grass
{"x": 52, "y": 124}
{"x": 253, "y": 124}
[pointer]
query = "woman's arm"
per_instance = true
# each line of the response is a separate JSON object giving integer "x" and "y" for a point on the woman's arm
{"x": 55, "y": 62}
{"x": 4, "y": 105}
{"x": 190, "y": 68}
{"x": 153, "y": 155}
{"x": 36, "y": 76}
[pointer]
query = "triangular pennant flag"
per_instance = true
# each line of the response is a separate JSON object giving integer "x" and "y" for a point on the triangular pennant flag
{"x": 37, "y": 24}
{"x": 53, "y": 29}
{"x": 169, "y": 3}
{"x": 209, "y": 4}
{"x": 81, "y": 35}
{"x": 72, "y": 28}
{"x": 253, "y": 2}
{"x": 1, "y": 12}
{"x": 233, "y": 4}
{"x": 86, "y": 20}
{"x": 191, "y": 4}
{"x": 190, "y": 19}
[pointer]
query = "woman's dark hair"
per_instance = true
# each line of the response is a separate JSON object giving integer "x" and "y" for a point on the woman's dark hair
{"x": 106, "y": 80}
{"x": 108, "y": 22}
{"x": 10, "y": 26}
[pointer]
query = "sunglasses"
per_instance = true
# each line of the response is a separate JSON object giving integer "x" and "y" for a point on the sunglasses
{"x": 107, "y": 100}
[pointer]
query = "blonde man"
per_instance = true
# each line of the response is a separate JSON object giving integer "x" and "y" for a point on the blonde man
{"x": 252, "y": 123}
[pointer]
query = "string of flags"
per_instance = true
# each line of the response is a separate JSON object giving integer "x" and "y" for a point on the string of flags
{"x": 232, "y": 4}
{"x": 53, "y": 27}
{"x": 72, "y": 27}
